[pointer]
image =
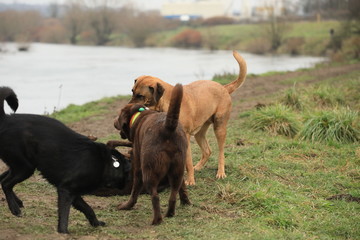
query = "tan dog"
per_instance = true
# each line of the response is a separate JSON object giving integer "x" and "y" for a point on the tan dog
{"x": 159, "y": 151}
{"x": 204, "y": 103}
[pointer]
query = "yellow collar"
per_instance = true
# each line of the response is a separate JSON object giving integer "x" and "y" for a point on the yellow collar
{"x": 133, "y": 118}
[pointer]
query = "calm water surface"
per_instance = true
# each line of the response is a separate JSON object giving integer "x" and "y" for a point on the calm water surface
{"x": 53, "y": 76}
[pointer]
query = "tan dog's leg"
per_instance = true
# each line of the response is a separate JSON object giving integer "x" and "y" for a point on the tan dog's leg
{"x": 189, "y": 164}
{"x": 220, "y": 133}
{"x": 204, "y": 145}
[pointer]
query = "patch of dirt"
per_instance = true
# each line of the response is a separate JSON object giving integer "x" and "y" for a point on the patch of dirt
{"x": 344, "y": 197}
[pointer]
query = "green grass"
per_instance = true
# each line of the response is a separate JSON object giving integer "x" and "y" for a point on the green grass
{"x": 74, "y": 113}
{"x": 276, "y": 188}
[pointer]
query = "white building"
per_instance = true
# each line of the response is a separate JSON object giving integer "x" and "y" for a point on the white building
{"x": 193, "y": 9}
{"x": 243, "y": 9}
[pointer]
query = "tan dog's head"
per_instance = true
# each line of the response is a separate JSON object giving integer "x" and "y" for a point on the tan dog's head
{"x": 122, "y": 122}
{"x": 147, "y": 90}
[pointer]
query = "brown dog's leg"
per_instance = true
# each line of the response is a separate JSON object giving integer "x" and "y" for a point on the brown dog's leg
{"x": 184, "y": 199}
{"x": 189, "y": 164}
{"x": 155, "y": 200}
{"x": 175, "y": 180}
{"x": 135, "y": 191}
{"x": 204, "y": 145}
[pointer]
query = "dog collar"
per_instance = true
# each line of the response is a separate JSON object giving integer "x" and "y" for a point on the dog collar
{"x": 116, "y": 163}
{"x": 136, "y": 115}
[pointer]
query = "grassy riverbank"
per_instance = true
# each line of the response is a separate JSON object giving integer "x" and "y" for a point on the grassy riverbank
{"x": 278, "y": 186}
{"x": 311, "y": 38}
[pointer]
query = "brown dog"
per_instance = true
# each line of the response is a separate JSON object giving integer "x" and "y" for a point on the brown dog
{"x": 159, "y": 151}
{"x": 204, "y": 103}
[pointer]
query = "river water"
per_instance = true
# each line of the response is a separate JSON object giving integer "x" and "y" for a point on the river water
{"x": 51, "y": 76}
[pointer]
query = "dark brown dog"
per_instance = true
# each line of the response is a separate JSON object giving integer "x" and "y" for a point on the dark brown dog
{"x": 204, "y": 103}
{"x": 159, "y": 151}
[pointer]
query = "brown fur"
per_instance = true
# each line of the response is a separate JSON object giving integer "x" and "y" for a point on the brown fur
{"x": 159, "y": 151}
{"x": 204, "y": 103}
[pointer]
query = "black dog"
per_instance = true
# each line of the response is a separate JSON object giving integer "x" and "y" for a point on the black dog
{"x": 71, "y": 162}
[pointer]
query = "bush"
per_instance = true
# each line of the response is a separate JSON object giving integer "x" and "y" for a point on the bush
{"x": 351, "y": 47}
{"x": 332, "y": 126}
{"x": 52, "y": 32}
{"x": 219, "y": 20}
{"x": 188, "y": 38}
{"x": 294, "y": 45}
{"x": 259, "y": 46}
{"x": 275, "y": 119}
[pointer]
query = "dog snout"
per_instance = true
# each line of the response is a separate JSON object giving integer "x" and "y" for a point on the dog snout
{"x": 117, "y": 124}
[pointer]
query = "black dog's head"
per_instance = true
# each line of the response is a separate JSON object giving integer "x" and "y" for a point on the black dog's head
{"x": 117, "y": 170}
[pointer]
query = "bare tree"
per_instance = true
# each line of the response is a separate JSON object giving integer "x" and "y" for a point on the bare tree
{"x": 138, "y": 26}
{"x": 74, "y": 19}
{"x": 8, "y": 25}
{"x": 277, "y": 26}
{"x": 18, "y": 26}
{"x": 54, "y": 10}
{"x": 102, "y": 19}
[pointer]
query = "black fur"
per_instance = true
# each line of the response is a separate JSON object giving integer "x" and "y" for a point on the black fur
{"x": 71, "y": 162}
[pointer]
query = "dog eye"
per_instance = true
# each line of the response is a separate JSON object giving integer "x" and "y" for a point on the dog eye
{"x": 139, "y": 96}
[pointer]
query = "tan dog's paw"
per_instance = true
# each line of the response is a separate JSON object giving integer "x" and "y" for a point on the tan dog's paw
{"x": 190, "y": 182}
{"x": 124, "y": 206}
{"x": 220, "y": 175}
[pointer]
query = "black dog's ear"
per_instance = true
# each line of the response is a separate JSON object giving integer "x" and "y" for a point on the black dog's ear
{"x": 158, "y": 93}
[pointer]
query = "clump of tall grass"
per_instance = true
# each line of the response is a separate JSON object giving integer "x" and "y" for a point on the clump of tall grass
{"x": 275, "y": 119}
{"x": 341, "y": 125}
{"x": 292, "y": 99}
{"x": 326, "y": 96}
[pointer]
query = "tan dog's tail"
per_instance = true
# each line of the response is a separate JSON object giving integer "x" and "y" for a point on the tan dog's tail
{"x": 231, "y": 87}
{"x": 172, "y": 117}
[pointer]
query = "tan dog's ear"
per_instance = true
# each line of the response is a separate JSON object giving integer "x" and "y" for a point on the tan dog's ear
{"x": 157, "y": 93}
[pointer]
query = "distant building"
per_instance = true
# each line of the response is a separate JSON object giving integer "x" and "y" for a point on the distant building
{"x": 186, "y": 9}
{"x": 241, "y": 9}
{"x": 268, "y": 8}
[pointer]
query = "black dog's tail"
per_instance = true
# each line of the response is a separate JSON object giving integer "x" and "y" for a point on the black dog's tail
{"x": 8, "y": 94}
{"x": 172, "y": 117}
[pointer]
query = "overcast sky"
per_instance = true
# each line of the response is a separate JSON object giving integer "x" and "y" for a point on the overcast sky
{"x": 148, "y": 4}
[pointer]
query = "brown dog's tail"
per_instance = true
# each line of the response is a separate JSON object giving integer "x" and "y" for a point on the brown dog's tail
{"x": 172, "y": 117}
{"x": 231, "y": 87}
{"x": 8, "y": 94}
